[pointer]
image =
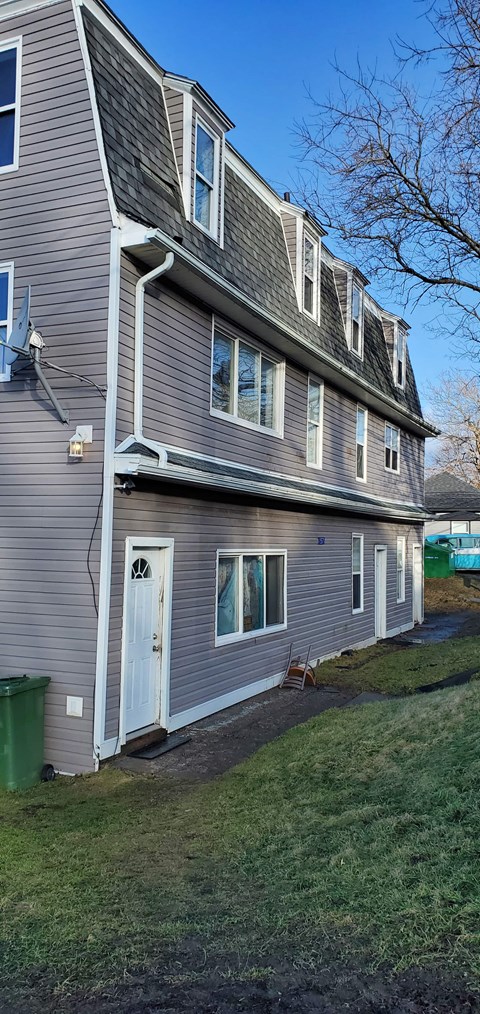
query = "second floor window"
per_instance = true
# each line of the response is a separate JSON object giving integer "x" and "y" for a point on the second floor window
{"x": 206, "y": 172}
{"x": 357, "y": 320}
{"x": 314, "y": 423}
{"x": 9, "y": 105}
{"x": 246, "y": 384}
{"x": 392, "y": 448}
{"x": 361, "y": 442}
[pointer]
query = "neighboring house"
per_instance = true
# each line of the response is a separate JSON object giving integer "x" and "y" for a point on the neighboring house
{"x": 255, "y": 471}
{"x": 455, "y": 504}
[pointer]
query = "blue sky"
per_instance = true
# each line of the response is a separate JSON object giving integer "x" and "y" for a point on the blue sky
{"x": 258, "y": 61}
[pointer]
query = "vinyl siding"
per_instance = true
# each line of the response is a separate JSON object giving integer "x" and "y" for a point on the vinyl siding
{"x": 319, "y": 587}
{"x": 56, "y": 228}
{"x": 177, "y": 359}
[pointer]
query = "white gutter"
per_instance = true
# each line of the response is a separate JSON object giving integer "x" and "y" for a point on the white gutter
{"x": 139, "y": 341}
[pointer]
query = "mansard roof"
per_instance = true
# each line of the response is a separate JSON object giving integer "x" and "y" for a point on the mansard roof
{"x": 254, "y": 257}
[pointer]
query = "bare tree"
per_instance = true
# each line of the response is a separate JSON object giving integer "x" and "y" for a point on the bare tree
{"x": 397, "y": 174}
{"x": 454, "y": 404}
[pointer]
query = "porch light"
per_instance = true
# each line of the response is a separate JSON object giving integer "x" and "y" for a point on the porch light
{"x": 83, "y": 435}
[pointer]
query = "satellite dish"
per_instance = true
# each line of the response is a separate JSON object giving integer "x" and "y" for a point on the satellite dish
{"x": 19, "y": 338}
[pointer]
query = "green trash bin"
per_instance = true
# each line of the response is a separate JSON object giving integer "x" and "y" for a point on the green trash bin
{"x": 22, "y": 709}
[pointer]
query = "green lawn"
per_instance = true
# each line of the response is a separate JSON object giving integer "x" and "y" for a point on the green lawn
{"x": 391, "y": 669}
{"x": 359, "y": 831}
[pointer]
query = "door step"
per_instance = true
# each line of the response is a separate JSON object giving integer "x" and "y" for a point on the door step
{"x": 141, "y": 742}
{"x": 156, "y": 749}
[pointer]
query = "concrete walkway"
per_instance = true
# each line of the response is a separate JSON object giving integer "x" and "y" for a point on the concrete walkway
{"x": 228, "y": 737}
{"x": 225, "y": 739}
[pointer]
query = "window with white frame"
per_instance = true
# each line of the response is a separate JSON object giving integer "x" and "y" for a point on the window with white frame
{"x": 361, "y": 444}
{"x": 247, "y": 385}
{"x": 392, "y": 448}
{"x": 401, "y": 570}
{"x": 459, "y": 527}
{"x": 310, "y": 271}
{"x": 315, "y": 423}
{"x": 6, "y": 299}
{"x": 357, "y": 573}
{"x": 399, "y": 358}
{"x": 207, "y": 148}
{"x": 251, "y": 594}
{"x": 357, "y": 320}
{"x": 10, "y": 58}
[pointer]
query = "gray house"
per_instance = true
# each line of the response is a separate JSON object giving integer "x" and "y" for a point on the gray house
{"x": 213, "y": 445}
{"x": 454, "y": 505}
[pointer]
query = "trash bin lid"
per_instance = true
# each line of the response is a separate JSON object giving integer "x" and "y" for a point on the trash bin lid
{"x": 10, "y": 685}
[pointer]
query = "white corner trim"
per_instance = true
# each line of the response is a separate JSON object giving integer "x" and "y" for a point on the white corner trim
{"x": 108, "y": 494}
{"x": 96, "y": 116}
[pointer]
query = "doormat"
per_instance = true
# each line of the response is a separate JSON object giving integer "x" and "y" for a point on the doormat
{"x": 156, "y": 749}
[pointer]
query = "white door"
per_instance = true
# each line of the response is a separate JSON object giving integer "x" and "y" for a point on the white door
{"x": 380, "y": 591}
{"x": 144, "y": 631}
{"x": 417, "y": 589}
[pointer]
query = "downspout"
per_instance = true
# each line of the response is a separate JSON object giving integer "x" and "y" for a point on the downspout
{"x": 139, "y": 340}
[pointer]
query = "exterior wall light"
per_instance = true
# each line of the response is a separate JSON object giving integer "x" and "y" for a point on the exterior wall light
{"x": 83, "y": 435}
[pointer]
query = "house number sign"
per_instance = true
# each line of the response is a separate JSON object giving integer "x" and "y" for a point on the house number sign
{"x": 321, "y": 540}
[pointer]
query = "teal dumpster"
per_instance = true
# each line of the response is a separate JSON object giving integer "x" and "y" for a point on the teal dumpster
{"x": 22, "y": 709}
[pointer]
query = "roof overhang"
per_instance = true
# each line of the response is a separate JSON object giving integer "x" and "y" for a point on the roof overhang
{"x": 153, "y": 461}
{"x": 190, "y": 273}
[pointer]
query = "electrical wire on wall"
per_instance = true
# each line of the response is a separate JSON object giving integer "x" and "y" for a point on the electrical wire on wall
{"x": 90, "y": 545}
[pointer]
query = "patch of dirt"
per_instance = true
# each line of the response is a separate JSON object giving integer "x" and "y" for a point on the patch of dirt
{"x": 453, "y": 594}
{"x": 330, "y": 989}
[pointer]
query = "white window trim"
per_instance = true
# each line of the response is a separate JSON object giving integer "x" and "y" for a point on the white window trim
{"x": 279, "y": 391}
{"x": 399, "y": 333}
{"x": 221, "y": 639}
{"x": 316, "y": 380}
{"x": 15, "y": 43}
{"x": 351, "y": 283}
{"x": 214, "y": 203}
{"x": 8, "y": 268}
{"x": 401, "y": 541}
{"x": 358, "y": 535}
{"x": 392, "y": 471}
{"x": 365, "y": 444}
{"x": 307, "y": 236}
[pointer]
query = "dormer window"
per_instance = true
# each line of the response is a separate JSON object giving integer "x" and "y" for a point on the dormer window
{"x": 9, "y": 105}
{"x": 198, "y": 127}
{"x": 399, "y": 357}
{"x": 356, "y": 341}
{"x": 310, "y": 276}
{"x": 206, "y": 179}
